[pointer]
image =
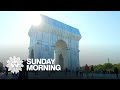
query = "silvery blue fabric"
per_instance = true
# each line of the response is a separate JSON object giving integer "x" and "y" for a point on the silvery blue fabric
{"x": 60, "y": 25}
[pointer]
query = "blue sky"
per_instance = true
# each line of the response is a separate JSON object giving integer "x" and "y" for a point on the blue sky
{"x": 100, "y": 32}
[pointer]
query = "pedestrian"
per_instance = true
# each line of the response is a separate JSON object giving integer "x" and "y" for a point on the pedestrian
{"x": 87, "y": 70}
{"x": 116, "y": 72}
{"x": 20, "y": 76}
{"x": 25, "y": 72}
{"x": 66, "y": 71}
{"x": 81, "y": 72}
{"x": 6, "y": 71}
{"x": 92, "y": 71}
{"x": 77, "y": 71}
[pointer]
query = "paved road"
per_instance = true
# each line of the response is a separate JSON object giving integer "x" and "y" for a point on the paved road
{"x": 9, "y": 76}
{"x": 61, "y": 75}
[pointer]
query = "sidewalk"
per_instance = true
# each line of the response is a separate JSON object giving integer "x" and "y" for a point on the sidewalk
{"x": 9, "y": 76}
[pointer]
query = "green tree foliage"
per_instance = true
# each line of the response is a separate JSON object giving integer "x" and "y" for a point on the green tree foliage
{"x": 117, "y": 66}
{"x": 98, "y": 67}
{"x": 83, "y": 68}
{"x": 106, "y": 66}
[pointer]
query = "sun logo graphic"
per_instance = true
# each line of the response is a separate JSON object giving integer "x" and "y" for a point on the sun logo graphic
{"x": 14, "y": 64}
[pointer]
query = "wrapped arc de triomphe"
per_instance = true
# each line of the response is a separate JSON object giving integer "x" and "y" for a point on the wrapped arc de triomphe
{"x": 54, "y": 39}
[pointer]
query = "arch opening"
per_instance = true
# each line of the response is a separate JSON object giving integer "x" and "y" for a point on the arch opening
{"x": 60, "y": 53}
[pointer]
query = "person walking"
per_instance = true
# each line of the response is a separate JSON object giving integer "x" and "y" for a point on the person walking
{"x": 81, "y": 72}
{"x": 77, "y": 72}
{"x": 6, "y": 71}
{"x": 87, "y": 70}
{"x": 116, "y": 72}
{"x": 92, "y": 71}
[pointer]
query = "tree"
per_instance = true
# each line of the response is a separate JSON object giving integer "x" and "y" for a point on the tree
{"x": 117, "y": 66}
{"x": 98, "y": 68}
{"x": 108, "y": 66}
{"x": 83, "y": 68}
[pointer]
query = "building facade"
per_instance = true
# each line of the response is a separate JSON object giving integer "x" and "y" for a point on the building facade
{"x": 54, "y": 39}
